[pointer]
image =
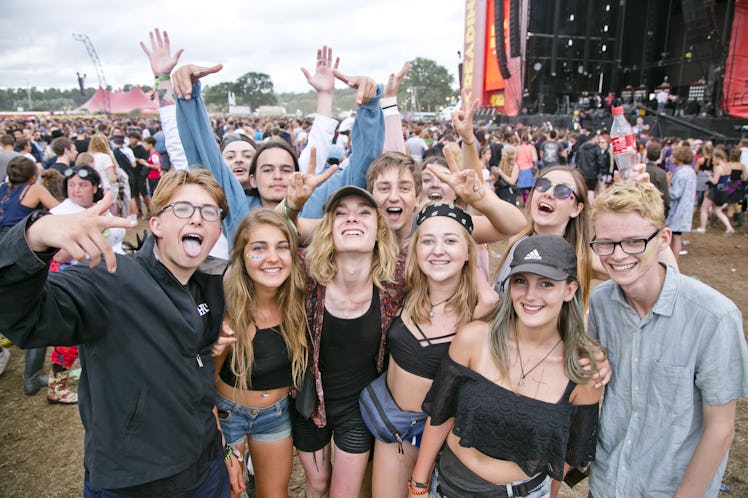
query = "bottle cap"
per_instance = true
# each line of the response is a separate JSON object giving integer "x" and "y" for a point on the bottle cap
{"x": 617, "y": 111}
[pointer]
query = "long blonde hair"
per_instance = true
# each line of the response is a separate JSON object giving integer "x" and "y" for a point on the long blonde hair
{"x": 320, "y": 255}
{"x": 508, "y": 159}
{"x": 241, "y": 304}
{"x": 417, "y": 301}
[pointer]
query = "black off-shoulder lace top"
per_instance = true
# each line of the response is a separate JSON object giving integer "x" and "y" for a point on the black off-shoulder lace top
{"x": 536, "y": 435}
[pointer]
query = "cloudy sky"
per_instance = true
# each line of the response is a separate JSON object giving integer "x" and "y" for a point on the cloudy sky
{"x": 37, "y": 47}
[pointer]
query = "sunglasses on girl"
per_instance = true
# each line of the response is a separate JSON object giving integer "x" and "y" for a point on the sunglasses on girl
{"x": 560, "y": 190}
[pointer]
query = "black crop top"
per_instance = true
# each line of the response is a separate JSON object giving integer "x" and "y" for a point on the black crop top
{"x": 420, "y": 357}
{"x": 271, "y": 368}
{"x": 536, "y": 435}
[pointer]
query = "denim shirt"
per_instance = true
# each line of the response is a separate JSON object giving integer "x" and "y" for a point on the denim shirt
{"x": 687, "y": 352}
{"x": 200, "y": 148}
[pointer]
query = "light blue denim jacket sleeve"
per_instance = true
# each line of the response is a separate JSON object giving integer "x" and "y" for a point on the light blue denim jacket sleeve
{"x": 200, "y": 148}
{"x": 367, "y": 138}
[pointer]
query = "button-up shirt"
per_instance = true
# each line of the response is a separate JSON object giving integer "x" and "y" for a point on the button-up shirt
{"x": 688, "y": 351}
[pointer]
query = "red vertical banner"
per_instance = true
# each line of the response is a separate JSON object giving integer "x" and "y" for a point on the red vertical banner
{"x": 473, "y": 54}
{"x": 493, "y": 79}
{"x": 735, "y": 88}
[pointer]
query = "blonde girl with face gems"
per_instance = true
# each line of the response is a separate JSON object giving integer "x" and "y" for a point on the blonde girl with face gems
{"x": 264, "y": 289}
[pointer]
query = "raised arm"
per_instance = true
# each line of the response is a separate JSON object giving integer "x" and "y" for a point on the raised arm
{"x": 200, "y": 145}
{"x": 367, "y": 137}
{"x": 323, "y": 129}
{"x": 162, "y": 64}
{"x": 393, "y": 127}
{"x": 462, "y": 121}
{"x": 501, "y": 219}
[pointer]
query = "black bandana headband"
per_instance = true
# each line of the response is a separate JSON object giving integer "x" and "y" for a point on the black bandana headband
{"x": 448, "y": 210}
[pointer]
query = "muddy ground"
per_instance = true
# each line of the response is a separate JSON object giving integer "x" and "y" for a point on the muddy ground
{"x": 41, "y": 446}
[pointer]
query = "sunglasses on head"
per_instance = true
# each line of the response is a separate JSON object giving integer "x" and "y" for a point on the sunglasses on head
{"x": 560, "y": 190}
{"x": 81, "y": 172}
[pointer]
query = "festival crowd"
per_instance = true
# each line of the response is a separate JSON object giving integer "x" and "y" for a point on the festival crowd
{"x": 323, "y": 287}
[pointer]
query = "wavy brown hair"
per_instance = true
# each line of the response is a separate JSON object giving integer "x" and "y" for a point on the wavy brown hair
{"x": 417, "y": 301}
{"x": 320, "y": 255}
{"x": 241, "y": 306}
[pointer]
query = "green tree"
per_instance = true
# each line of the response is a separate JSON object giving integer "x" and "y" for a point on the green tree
{"x": 216, "y": 96}
{"x": 255, "y": 89}
{"x": 428, "y": 83}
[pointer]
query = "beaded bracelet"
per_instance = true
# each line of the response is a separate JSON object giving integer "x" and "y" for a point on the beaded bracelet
{"x": 418, "y": 488}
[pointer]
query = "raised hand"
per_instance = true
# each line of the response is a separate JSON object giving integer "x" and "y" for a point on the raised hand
{"x": 366, "y": 86}
{"x": 186, "y": 76}
{"x": 323, "y": 79}
{"x": 79, "y": 234}
{"x": 160, "y": 56}
{"x": 465, "y": 183}
{"x": 302, "y": 185}
{"x": 395, "y": 80}
{"x": 462, "y": 120}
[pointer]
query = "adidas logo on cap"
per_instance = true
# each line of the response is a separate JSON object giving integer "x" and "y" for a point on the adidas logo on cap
{"x": 533, "y": 255}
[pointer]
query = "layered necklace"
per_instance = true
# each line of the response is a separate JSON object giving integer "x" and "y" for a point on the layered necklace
{"x": 523, "y": 379}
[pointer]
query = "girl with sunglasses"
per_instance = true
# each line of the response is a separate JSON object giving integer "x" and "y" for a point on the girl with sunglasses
{"x": 557, "y": 204}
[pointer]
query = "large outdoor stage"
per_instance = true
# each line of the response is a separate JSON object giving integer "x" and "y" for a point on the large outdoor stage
{"x": 543, "y": 58}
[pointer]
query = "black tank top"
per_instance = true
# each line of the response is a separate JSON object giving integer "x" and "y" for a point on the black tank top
{"x": 348, "y": 353}
{"x": 272, "y": 365}
{"x": 420, "y": 357}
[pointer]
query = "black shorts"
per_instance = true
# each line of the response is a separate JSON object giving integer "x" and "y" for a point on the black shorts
{"x": 591, "y": 183}
{"x": 137, "y": 187}
{"x": 676, "y": 233}
{"x": 344, "y": 424}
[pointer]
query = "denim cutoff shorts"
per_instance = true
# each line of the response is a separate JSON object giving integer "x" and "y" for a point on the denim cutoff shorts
{"x": 269, "y": 424}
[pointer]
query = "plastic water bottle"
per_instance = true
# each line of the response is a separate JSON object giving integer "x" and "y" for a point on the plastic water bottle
{"x": 623, "y": 140}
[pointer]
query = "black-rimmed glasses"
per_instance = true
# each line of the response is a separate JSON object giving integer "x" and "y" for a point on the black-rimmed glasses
{"x": 185, "y": 210}
{"x": 629, "y": 246}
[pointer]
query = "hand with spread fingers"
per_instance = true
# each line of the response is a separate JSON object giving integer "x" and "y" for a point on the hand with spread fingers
{"x": 395, "y": 80}
{"x": 367, "y": 87}
{"x": 186, "y": 76}
{"x": 80, "y": 234}
{"x": 159, "y": 55}
{"x": 323, "y": 79}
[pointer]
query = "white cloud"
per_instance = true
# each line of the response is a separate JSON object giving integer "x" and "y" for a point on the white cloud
{"x": 37, "y": 47}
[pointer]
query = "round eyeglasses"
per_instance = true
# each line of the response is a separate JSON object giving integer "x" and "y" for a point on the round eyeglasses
{"x": 185, "y": 210}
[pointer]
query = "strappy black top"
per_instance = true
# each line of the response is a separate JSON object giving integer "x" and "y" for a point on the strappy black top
{"x": 271, "y": 368}
{"x": 420, "y": 357}
{"x": 536, "y": 435}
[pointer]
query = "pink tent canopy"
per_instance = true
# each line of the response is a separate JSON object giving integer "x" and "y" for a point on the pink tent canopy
{"x": 121, "y": 102}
